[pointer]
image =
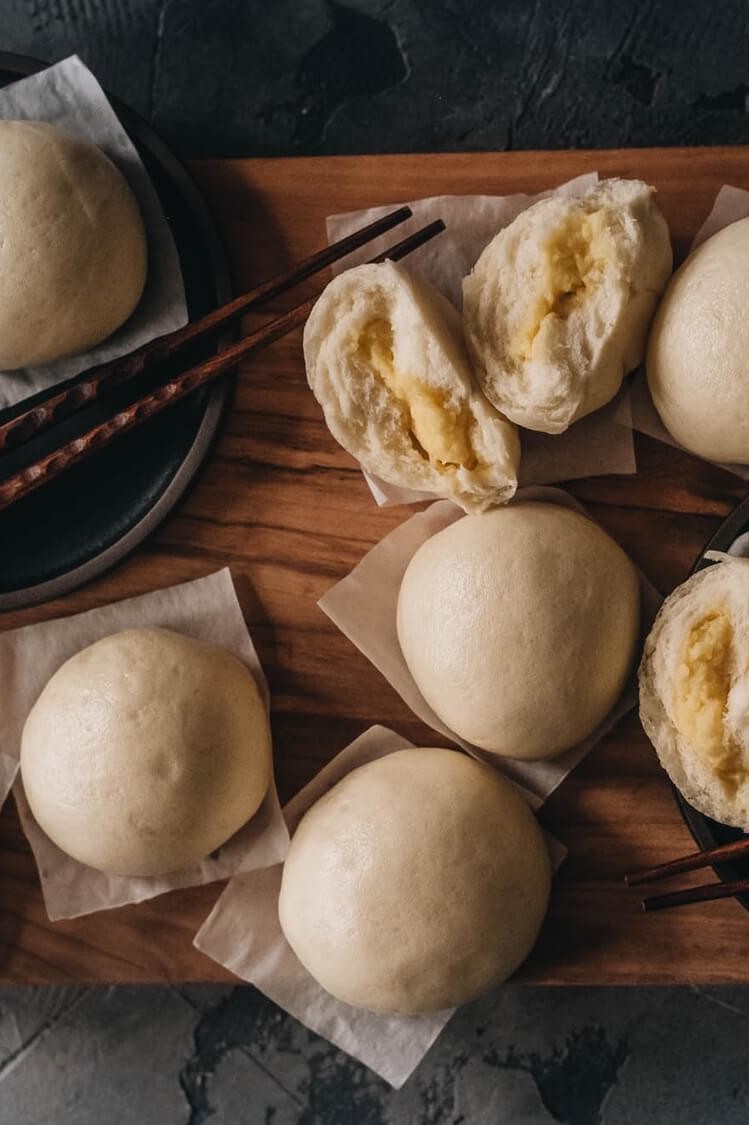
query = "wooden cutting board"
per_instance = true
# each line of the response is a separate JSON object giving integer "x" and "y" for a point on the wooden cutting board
{"x": 289, "y": 512}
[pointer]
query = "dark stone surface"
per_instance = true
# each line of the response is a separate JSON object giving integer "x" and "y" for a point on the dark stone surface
{"x": 522, "y": 1056}
{"x": 118, "y": 39}
{"x": 228, "y": 77}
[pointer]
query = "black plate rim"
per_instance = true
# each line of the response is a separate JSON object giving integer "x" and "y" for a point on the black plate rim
{"x": 137, "y": 127}
{"x": 697, "y": 823}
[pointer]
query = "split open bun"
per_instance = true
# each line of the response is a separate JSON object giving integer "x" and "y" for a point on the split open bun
{"x": 386, "y": 360}
{"x": 417, "y": 882}
{"x": 557, "y": 307}
{"x": 694, "y": 690}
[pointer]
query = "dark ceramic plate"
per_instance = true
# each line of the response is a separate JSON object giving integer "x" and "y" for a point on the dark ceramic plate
{"x": 82, "y": 524}
{"x": 708, "y": 833}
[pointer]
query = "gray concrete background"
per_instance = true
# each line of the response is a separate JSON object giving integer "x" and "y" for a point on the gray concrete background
{"x": 223, "y": 77}
{"x": 522, "y": 1056}
{"x": 280, "y": 77}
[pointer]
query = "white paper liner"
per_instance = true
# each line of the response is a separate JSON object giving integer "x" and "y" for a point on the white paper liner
{"x": 68, "y": 95}
{"x": 207, "y": 609}
{"x": 731, "y": 204}
{"x": 243, "y": 933}
{"x": 605, "y": 435}
{"x": 739, "y": 548}
{"x": 597, "y": 445}
{"x": 8, "y": 771}
{"x": 363, "y": 606}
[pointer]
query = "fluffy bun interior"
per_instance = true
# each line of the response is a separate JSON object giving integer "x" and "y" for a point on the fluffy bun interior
{"x": 386, "y": 361}
{"x": 557, "y": 307}
{"x": 694, "y": 690}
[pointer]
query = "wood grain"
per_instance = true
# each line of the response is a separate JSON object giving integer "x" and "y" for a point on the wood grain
{"x": 289, "y": 512}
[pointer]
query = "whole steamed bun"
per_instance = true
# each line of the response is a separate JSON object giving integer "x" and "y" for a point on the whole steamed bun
{"x": 694, "y": 690}
{"x": 145, "y": 752}
{"x": 74, "y": 253}
{"x": 557, "y": 307}
{"x": 385, "y": 359}
{"x": 520, "y": 627}
{"x": 417, "y": 882}
{"x": 698, "y": 353}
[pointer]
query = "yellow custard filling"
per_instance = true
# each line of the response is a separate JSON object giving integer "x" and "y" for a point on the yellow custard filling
{"x": 703, "y": 683}
{"x": 573, "y": 262}
{"x": 441, "y": 435}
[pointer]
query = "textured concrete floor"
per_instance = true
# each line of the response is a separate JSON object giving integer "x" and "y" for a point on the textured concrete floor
{"x": 306, "y": 76}
{"x": 293, "y": 76}
{"x": 521, "y": 1056}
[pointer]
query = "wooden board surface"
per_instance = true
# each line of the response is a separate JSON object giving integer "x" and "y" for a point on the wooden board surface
{"x": 289, "y": 512}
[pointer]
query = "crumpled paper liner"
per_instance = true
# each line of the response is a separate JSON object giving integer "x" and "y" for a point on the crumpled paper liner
{"x": 243, "y": 933}
{"x": 363, "y": 606}
{"x": 739, "y": 548}
{"x": 597, "y": 445}
{"x": 207, "y": 609}
{"x": 731, "y": 204}
{"x": 8, "y": 771}
{"x": 68, "y": 95}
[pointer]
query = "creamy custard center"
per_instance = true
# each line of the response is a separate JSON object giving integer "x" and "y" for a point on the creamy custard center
{"x": 441, "y": 435}
{"x": 574, "y": 259}
{"x": 703, "y": 683}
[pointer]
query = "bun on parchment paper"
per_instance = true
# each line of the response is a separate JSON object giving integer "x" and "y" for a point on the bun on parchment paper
{"x": 416, "y": 883}
{"x": 520, "y": 627}
{"x": 72, "y": 245}
{"x": 145, "y": 752}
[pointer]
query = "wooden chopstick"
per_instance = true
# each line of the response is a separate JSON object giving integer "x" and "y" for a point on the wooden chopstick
{"x": 71, "y": 399}
{"x": 53, "y": 464}
{"x": 705, "y": 893}
{"x": 739, "y": 849}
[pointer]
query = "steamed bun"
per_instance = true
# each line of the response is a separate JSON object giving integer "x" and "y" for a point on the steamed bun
{"x": 386, "y": 361}
{"x": 694, "y": 690}
{"x": 557, "y": 307}
{"x": 417, "y": 882}
{"x": 520, "y": 627}
{"x": 73, "y": 244}
{"x": 145, "y": 752}
{"x": 698, "y": 352}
